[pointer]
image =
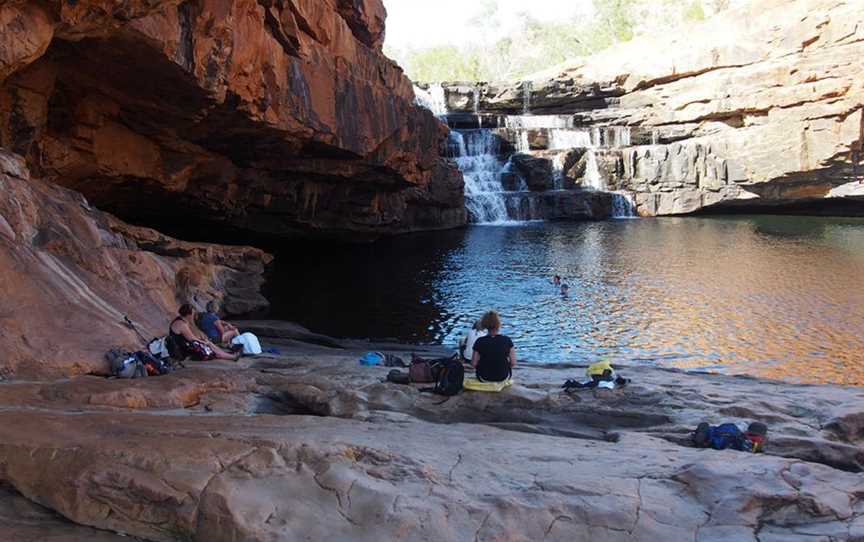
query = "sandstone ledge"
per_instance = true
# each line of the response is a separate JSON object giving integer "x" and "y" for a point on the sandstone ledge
{"x": 309, "y": 445}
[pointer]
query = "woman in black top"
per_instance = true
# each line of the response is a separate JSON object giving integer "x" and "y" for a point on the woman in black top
{"x": 494, "y": 355}
{"x": 187, "y": 343}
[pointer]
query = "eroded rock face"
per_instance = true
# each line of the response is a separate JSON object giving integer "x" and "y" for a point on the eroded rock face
{"x": 721, "y": 114}
{"x": 772, "y": 111}
{"x": 273, "y": 117}
{"x": 69, "y": 274}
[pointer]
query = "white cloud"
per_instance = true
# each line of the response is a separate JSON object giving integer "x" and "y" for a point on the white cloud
{"x": 421, "y": 23}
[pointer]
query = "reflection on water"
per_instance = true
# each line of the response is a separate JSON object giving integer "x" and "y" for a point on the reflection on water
{"x": 771, "y": 296}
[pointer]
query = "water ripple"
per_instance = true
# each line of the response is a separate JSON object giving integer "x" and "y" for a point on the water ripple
{"x": 779, "y": 297}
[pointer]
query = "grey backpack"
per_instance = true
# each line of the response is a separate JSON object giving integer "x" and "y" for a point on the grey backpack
{"x": 125, "y": 364}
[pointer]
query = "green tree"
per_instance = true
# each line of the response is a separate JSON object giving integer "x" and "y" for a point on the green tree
{"x": 443, "y": 63}
{"x": 538, "y": 45}
{"x": 694, "y": 11}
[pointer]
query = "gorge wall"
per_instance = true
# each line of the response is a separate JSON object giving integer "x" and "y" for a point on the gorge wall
{"x": 264, "y": 117}
{"x": 759, "y": 108}
{"x": 69, "y": 274}
{"x": 250, "y": 120}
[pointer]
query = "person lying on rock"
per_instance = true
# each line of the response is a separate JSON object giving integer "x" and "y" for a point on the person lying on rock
{"x": 494, "y": 355}
{"x": 188, "y": 344}
{"x": 217, "y": 329}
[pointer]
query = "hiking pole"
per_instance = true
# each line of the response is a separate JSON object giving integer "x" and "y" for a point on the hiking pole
{"x": 131, "y": 325}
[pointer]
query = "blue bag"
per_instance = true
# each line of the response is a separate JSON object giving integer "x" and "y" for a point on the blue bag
{"x": 728, "y": 435}
{"x": 372, "y": 358}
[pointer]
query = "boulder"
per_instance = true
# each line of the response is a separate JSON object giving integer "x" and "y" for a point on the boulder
{"x": 511, "y": 180}
{"x": 536, "y": 171}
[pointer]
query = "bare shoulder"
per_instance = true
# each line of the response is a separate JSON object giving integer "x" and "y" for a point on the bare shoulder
{"x": 179, "y": 325}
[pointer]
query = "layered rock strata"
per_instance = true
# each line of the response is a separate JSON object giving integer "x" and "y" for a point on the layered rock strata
{"x": 69, "y": 274}
{"x": 259, "y": 117}
{"x": 758, "y": 115}
{"x": 310, "y": 445}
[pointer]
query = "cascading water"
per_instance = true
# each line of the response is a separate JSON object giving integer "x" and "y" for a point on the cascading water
{"x": 617, "y": 136}
{"x": 623, "y": 205}
{"x": 477, "y": 154}
{"x": 523, "y": 145}
{"x": 537, "y": 122}
{"x": 476, "y": 98}
{"x": 560, "y": 139}
{"x": 432, "y": 99}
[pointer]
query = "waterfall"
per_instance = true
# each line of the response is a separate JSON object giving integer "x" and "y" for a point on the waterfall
{"x": 558, "y": 170}
{"x": 560, "y": 139}
{"x": 536, "y": 122}
{"x": 620, "y": 136}
{"x": 477, "y": 153}
{"x": 481, "y": 167}
{"x": 523, "y": 145}
{"x": 593, "y": 179}
{"x": 623, "y": 205}
{"x": 432, "y": 99}
{"x": 476, "y": 98}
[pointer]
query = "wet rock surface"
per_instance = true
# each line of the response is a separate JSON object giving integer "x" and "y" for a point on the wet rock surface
{"x": 309, "y": 444}
{"x": 537, "y": 172}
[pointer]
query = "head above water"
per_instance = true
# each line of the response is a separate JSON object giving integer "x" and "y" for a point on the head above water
{"x": 491, "y": 322}
{"x": 213, "y": 306}
{"x": 186, "y": 310}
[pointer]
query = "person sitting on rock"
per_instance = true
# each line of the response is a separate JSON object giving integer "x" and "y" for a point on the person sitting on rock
{"x": 217, "y": 329}
{"x": 185, "y": 343}
{"x": 494, "y": 355}
{"x": 467, "y": 349}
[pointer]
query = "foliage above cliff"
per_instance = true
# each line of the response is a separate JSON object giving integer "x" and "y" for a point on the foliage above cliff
{"x": 538, "y": 45}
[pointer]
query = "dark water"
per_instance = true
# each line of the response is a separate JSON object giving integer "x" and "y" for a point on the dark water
{"x": 770, "y": 296}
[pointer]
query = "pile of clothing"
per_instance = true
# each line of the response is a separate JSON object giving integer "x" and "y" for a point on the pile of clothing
{"x": 728, "y": 436}
{"x": 599, "y": 375}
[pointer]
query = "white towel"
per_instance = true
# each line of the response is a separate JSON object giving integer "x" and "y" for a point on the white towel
{"x": 250, "y": 343}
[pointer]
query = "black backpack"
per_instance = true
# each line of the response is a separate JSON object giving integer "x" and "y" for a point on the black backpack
{"x": 451, "y": 377}
{"x": 154, "y": 365}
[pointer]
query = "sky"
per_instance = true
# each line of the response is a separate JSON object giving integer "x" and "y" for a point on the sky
{"x": 422, "y": 23}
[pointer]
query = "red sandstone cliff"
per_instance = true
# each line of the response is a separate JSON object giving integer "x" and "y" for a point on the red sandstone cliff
{"x": 265, "y": 116}
{"x": 257, "y": 118}
{"x": 70, "y": 273}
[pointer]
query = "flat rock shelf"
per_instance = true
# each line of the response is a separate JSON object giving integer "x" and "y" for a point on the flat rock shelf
{"x": 309, "y": 445}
